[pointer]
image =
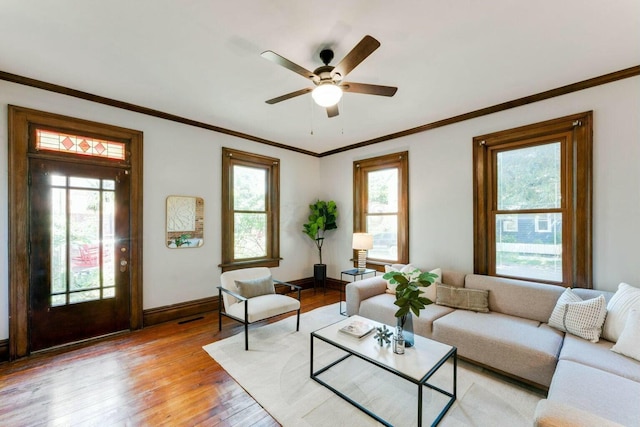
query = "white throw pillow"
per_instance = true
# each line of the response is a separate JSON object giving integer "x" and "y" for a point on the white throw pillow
{"x": 629, "y": 341}
{"x": 623, "y": 301}
{"x": 430, "y": 291}
{"x": 581, "y": 318}
{"x": 391, "y": 288}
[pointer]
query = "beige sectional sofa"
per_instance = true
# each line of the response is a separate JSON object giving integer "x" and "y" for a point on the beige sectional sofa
{"x": 587, "y": 383}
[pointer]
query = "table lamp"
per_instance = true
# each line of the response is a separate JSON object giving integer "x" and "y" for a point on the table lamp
{"x": 362, "y": 242}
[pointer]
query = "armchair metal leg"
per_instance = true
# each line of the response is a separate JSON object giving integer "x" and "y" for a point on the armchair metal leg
{"x": 220, "y": 309}
{"x": 246, "y": 325}
{"x": 246, "y": 336}
{"x": 298, "y": 321}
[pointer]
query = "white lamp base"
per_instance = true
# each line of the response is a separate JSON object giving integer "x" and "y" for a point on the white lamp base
{"x": 362, "y": 260}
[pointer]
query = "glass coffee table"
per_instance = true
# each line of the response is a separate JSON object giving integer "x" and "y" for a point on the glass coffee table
{"x": 417, "y": 365}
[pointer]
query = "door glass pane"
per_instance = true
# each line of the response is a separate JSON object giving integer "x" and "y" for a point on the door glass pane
{"x": 84, "y": 230}
{"x": 382, "y": 191}
{"x": 82, "y": 240}
{"x": 108, "y": 234}
{"x": 58, "y": 245}
{"x": 385, "y": 236}
{"x": 75, "y": 181}
{"x": 530, "y": 246}
{"x": 249, "y": 189}
{"x": 250, "y": 235}
{"x": 529, "y": 178}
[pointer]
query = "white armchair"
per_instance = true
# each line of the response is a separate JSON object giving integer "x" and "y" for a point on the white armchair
{"x": 249, "y": 295}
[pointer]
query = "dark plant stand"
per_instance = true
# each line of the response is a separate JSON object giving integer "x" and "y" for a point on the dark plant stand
{"x": 320, "y": 276}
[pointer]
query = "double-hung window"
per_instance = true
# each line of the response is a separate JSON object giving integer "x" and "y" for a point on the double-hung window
{"x": 533, "y": 202}
{"x": 250, "y": 210}
{"x": 381, "y": 206}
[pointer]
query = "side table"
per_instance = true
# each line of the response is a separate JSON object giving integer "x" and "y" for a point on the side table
{"x": 354, "y": 272}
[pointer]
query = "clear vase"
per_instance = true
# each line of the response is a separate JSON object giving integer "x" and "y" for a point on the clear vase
{"x": 406, "y": 324}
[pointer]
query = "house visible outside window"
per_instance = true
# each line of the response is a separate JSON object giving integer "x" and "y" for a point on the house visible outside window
{"x": 543, "y": 224}
{"x": 533, "y": 202}
{"x": 381, "y": 206}
{"x": 250, "y": 210}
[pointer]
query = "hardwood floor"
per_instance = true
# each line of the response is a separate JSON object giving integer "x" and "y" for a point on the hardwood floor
{"x": 156, "y": 376}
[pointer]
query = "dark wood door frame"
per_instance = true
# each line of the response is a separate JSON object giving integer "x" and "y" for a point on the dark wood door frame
{"x": 20, "y": 121}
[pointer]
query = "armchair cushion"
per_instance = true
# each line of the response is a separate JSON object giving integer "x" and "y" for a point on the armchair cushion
{"x": 255, "y": 287}
{"x": 264, "y": 306}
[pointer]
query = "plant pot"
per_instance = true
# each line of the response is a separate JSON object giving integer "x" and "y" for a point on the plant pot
{"x": 320, "y": 276}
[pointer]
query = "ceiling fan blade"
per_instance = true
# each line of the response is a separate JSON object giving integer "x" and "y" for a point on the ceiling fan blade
{"x": 280, "y": 60}
{"x": 369, "y": 89}
{"x": 358, "y": 54}
{"x": 289, "y": 96}
{"x": 332, "y": 111}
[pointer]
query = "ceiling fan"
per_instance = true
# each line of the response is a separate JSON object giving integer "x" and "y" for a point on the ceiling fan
{"x": 328, "y": 80}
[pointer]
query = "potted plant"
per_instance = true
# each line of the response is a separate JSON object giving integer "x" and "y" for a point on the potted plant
{"x": 408, "y": 298}
{"x": 322, "y": 219}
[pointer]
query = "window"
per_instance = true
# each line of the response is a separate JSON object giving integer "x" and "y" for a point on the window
{"x": 533, "y": 202}
{"x": 250, "y": 210}
{"x": 381, "y": 203}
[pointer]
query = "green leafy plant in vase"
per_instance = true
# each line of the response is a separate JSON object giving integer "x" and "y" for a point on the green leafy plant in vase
{"x": 408, "y": 298}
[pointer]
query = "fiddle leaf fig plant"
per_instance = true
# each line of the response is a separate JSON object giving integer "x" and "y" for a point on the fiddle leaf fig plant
{"x": 322, "y": 219}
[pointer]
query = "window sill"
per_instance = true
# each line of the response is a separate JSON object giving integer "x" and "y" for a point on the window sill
{"x": 263, "y": 262}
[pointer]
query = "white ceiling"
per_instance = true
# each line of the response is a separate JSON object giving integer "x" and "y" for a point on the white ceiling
{"x": 200, "y": 59}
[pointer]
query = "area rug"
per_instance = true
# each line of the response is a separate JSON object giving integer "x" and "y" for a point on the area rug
{"x": 275, "y": 371}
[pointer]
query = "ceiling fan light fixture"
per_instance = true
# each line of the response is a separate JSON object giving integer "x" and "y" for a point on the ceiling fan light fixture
{"x": 327, "y": 94}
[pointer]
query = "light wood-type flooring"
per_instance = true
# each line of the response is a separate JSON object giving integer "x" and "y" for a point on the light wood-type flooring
{"x": 157, "y": 376}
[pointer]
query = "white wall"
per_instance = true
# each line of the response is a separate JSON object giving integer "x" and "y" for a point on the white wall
{"x": 178, "y": 160}
{"x": 441, "y": 184}
{"x": 182, "y": 160}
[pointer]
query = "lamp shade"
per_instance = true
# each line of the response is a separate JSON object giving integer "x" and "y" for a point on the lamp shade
{"x": 326, "y": 94}
{"x": 362, "y": 241}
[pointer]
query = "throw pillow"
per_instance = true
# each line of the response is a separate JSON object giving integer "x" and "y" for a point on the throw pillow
{"x": 464, "y": 298}
{"x": 255, "y": 287}
{"x": 623, "y": 301}
{"x": 431, "y": 291}
{"x": 629, "y": 341}
{"x": 391, "y": 288}
{"x": 577, "y": 317}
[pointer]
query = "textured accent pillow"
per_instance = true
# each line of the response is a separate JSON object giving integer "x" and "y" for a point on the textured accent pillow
{"x": 629, "y": 342}
{"x": 255, "y": 287}
{"x": 623, "y": 301}
{"x": 467, "y": 299}
{"x": 577, "y": 317}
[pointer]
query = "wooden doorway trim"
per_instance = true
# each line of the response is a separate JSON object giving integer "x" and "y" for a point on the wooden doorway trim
{"x": 20, "y": 121}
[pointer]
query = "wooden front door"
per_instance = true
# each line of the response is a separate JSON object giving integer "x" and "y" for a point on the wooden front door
{"x": 79, "y": 252}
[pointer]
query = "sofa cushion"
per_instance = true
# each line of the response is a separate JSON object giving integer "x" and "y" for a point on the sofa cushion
{"x": 382, "y": 309}
{"x": 557, "y": 414}
{"x": 623, "y": 301}
{"x": 605, "y": 394}
{"x": 582, "y": 318}
{"x": 514, "y": 297}
{"x": 521, "y": 347}
{"x": 629, "y": 341}
{"x": 599, "y": 356}
{"x": 467, "y": 299}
